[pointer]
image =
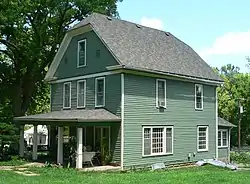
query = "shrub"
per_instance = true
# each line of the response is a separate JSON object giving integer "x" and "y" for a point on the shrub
{"x": 240, "y": 157}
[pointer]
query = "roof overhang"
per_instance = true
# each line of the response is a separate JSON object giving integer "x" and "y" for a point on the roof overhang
{"x": 77, "y": 116}
{"x": 153, "y": 73}
{"x": 224, "y": 123}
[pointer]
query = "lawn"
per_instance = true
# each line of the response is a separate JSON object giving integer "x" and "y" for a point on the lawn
{"x": 206, "y": 174}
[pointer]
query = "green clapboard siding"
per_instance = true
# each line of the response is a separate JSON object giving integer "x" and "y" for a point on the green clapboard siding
{"x": 68, "y": 65}
{"x": 140, "y": 110}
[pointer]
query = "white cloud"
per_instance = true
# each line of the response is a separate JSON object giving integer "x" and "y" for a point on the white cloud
{"x": 231, "y": 43}
{"x": 152, "y": 22}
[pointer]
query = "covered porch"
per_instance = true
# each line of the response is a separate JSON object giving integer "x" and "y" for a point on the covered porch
{"x": 80, "y": 137}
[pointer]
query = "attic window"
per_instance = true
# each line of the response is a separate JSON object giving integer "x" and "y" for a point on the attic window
{"x": 109, "y": 18}
{"x": 137, "y": 25}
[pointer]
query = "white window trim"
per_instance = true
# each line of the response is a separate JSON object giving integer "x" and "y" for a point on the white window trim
{"x": 77, "y": 90}
{"x": 104, "y": 91}
{"x": 202, "y": 102}
{"x": 164, "y": 141}
{"x": 69, "y": 95}
{"x": 207, "y": 138}
{"x": 221, "y": 145}
{"x": 85, "y": 55}
{"x": 165, "y": 92}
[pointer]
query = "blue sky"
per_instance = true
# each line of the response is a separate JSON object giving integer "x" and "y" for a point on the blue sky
{"x": 218, "y": 30}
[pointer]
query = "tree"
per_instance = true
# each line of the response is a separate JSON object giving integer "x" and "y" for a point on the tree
{"x": 30, "y": 32}
{"x": 236, "y": 88}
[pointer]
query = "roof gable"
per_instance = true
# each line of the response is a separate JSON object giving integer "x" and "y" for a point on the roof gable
{"x": 146, "y": 48}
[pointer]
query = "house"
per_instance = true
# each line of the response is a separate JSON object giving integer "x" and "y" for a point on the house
{"x": 42, "y": 136}
{"x": 138, "y": 93}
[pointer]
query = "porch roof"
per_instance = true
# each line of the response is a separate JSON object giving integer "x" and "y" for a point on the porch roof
{"x": 225, "y": 123}
{"x": 84, "y": 115}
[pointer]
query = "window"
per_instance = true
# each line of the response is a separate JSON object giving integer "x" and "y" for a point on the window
{"x": 161, "y": 97}
{"x": 67, "y": 95}
{"x": 81, "y": 93}
{"x": 198, "y": 96}
{"x": 202, "y": 138}
{"x": 81, "y": 54}
{"x": 100, "y": 92}
{"x": 222, "y": 138}
{"x": 157, "y": 140}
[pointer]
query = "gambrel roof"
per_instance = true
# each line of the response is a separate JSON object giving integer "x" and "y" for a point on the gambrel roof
{"x": 143, "y": 48}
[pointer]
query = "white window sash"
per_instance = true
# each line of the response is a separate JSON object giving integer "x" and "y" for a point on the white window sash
{"x": 96, "y": 92}
{"x": 84, "y": 93}
{"x": 65, "y": 107}
{"x": 78, "y": 53}
{"x": 157, "y": 93}
{"x": 195, "y": 99}
{"x": 164, "y": 140}
{"x": 205, "y": 149}
{"x": 221, "y": 138}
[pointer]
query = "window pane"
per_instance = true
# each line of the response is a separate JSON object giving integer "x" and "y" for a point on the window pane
{"x": 66, "y": 95}
{"x": 169, "y": 140}
{"x": 147, "y": 141}
{"x": 161, "y": 91}
{"x": 157, "y": 140}
{"x": 82, "y": 53}
{"x": 198, "y": 90}
{"x": 219, "y": 138}
{"x": 81, "y": 94}
{"x": 202, "y": 137}
{"x": 224, "y": 138}
{"x": 100, "y": 92}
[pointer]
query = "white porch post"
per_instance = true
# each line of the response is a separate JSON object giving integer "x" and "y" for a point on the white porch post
{"x": 60, "y": 145}
{"x": 34, "y": 153}
{"x": 79, "y": 148}
{"x": 21, "y": 141}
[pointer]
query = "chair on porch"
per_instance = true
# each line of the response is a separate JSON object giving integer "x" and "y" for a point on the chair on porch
{"x": 88, "y": 156}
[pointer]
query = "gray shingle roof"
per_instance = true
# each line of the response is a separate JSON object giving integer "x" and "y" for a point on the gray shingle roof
{"x": 225, "y": 123}
{"x": 146, "y": 48}
{"x": 85, "y": 115}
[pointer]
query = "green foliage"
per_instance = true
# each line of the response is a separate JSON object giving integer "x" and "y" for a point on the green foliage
{"x": 240, "y": 157}
{"x": 235, "y": 90}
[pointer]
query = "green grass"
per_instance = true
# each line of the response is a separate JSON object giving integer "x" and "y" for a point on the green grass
{"x": 15, "y": 162}
{"x": 206, "y": 174}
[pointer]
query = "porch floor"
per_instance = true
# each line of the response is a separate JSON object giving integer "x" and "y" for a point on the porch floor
{"x": 101, "y": 168}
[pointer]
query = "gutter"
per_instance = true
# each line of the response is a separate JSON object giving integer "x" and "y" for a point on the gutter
{"x": 126, "y": 69}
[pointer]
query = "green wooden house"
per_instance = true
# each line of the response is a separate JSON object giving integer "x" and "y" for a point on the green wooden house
{"x": 140, "y": 93}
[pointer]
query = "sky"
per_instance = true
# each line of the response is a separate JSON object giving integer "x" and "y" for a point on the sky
{"x": 218, "y": 30}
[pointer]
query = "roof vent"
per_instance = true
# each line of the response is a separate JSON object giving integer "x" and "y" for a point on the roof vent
{"x": 167, "y": 33}
{"x": 137, "y": 25}
{"x": 109, "y": 18}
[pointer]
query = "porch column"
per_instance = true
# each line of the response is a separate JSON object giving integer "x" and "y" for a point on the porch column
{"x": 34, "y": 153}
{"x": 60, "y": 145}
{"x": 21, "y": 141}
{"x": 79, "y": 148}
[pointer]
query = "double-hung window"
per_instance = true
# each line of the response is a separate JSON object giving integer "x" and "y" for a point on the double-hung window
{"x": 81, "y": 93}
{"x": 157, "y": 140}
{"x": 81, "y": 53}
{"x": 161, "y": 96}
{"x": 198, "y": 96}
{"x": 67, "y": 95}
{"x": 100, "y": 92}
{"x": 222, "y": 138}
{"x": 202, "y": 138}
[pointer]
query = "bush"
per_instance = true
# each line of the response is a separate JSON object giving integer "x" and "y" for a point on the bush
{"x": 240, "y": 157}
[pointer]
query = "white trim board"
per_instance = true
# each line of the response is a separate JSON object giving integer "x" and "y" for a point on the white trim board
{"x": 207, "y": 138}
{"x": 85, "y": 77}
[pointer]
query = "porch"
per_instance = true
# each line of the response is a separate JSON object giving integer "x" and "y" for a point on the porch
{"x": 78, "y": 137}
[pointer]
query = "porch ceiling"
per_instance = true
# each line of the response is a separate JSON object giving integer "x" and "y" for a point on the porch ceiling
{"x": 84, "y": 115}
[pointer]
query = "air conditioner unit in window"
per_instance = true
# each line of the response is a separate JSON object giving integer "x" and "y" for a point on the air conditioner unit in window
{"x": 161, "y": 104}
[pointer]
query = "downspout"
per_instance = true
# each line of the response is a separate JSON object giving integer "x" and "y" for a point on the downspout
{"x": 216, "y": 122}
{"x": 122, "y": 120}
